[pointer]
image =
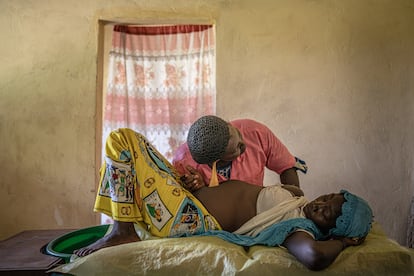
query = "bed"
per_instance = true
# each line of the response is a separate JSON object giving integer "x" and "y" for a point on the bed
{"x": 378, "y": 255}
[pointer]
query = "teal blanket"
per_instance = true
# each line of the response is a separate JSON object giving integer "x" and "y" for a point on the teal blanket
{"x": 272, "y": 236}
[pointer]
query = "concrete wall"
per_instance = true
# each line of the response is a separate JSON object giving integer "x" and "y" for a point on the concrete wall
{"x": 333, "y": 79}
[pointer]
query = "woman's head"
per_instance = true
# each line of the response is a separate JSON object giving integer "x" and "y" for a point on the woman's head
{"x": 341, "y": 214}
{"x": 210, "y": 138}
{"x": 324, "y": 210}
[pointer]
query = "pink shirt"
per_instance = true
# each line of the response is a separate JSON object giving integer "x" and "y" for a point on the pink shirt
{"x": 263, "y": 149}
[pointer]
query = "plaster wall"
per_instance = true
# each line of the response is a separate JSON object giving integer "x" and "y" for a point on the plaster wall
{"x": 333, "y": 79}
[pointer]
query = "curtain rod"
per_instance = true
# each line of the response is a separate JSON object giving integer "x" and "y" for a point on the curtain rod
{"x": 158, "y": 22}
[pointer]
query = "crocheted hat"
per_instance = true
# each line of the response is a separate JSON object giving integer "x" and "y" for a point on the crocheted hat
{"x": 208, "y": 138}
{"x": 356, "y": 218}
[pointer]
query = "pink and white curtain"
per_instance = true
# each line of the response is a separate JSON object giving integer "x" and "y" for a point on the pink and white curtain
{"x": 160, "y": 80}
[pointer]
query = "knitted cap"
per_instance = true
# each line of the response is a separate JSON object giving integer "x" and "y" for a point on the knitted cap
{"x": 356, "y": 218}
{"x": 208, "y": 138}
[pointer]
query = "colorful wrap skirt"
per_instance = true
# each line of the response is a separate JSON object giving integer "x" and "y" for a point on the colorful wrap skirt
{"x": 139, "y": 185}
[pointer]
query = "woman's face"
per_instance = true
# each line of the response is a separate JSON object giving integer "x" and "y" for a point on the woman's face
{"x": 236, "y": 145}
{"x": 324, "y": 210}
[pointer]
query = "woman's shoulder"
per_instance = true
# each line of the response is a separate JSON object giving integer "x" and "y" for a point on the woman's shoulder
{"x": 246, "y": 123}
{"x": 251, "y": 129}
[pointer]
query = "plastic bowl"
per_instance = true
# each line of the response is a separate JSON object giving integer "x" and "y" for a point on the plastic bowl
{"x": 64, "y": 246}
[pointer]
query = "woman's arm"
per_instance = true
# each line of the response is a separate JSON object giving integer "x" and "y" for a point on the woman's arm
{"x": 315, "y": 255}
{"x": 290, "y": 177}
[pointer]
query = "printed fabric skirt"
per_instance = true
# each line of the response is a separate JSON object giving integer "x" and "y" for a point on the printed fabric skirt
{"x": 139, "y": 185}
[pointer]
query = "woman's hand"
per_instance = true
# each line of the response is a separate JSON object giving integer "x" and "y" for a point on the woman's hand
{"x": 192, "y": 180}
{"x": 346, "y": 241}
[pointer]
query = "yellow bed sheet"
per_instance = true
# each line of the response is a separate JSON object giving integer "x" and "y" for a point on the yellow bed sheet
{"x": 378, "y": 255}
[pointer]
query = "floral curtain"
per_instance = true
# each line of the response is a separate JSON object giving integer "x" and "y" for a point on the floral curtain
{"x": 160, "y": 79}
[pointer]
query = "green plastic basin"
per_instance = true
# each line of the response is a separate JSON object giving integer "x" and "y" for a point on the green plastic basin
{"x": 64, "y": 246}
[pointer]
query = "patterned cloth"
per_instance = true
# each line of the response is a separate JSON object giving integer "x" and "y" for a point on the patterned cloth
{"x": 301, "y": 165}
{"x": 225, "y": 171}
{"x": 139, "y": 185}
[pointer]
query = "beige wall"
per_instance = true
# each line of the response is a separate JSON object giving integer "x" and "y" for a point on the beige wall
{"x": 333, "y": 79}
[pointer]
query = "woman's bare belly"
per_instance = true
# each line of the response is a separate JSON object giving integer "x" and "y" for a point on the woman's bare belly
{"x": 232, "y": 203}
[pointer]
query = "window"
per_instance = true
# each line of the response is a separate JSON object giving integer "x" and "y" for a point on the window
{"x": 157, "y": 80}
